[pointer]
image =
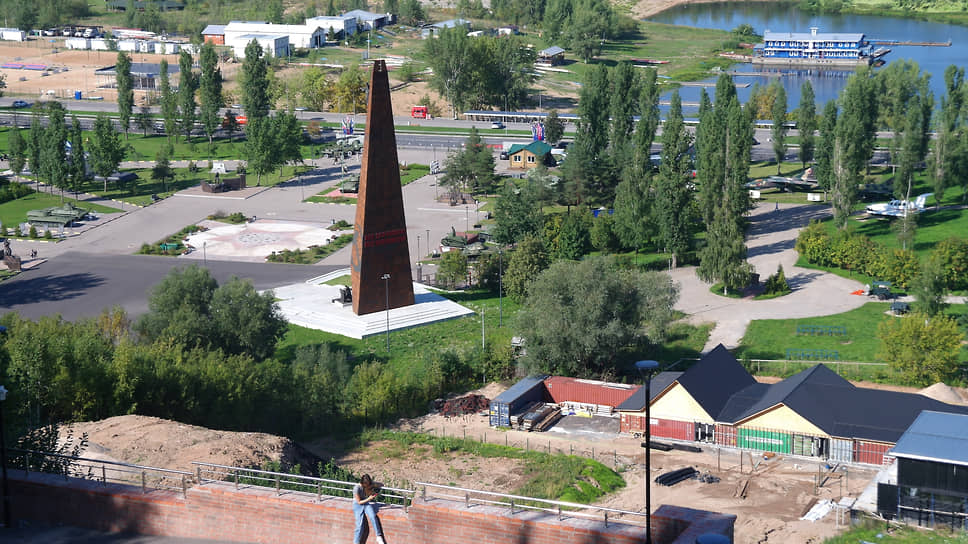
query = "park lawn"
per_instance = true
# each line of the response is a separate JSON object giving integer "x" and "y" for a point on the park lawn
{"x": 15, "y": 211}
{"x": 142, "y": 148}
{"x": 413, "y": 172}
{"x": 139, "y": 193}
{"x": 878, "y": 531}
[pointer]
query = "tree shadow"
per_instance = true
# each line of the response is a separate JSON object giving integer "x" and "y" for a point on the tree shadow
{"x": 767, "y": 249}
{"x": 29, "y": 289}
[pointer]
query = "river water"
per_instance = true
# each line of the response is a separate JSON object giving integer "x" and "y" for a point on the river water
{"x": 827, "y": 84}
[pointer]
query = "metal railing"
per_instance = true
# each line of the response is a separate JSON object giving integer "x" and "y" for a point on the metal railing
{"x": 281, "y": 481}
{"x": 517, "y": 503}
{"x": 99, "y": 470}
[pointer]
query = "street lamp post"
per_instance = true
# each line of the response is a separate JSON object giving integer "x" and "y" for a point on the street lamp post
{"x": 3, "y": 461}
{"x": 204, "y": 254}
{"x": 386, "y": 290}
{"x": 646, "y": 369}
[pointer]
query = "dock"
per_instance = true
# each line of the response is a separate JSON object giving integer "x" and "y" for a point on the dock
{"x": 710, "y": 84}
{"x": 921, "y": 44}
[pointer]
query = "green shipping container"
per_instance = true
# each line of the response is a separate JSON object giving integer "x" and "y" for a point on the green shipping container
{"x": 763, "y": 440}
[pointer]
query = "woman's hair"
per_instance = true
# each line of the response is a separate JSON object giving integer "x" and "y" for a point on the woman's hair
{"x": 365, "y": 479}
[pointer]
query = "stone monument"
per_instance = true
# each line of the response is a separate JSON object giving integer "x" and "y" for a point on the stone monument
{"x": 381, "y": 258}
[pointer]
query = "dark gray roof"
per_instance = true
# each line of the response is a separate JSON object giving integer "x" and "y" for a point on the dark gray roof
{"x": 551, "y": 51}
{"x": 636, "y": 403}
{"x": 935, "y": 436}
{"x": 140, "y": 69}
{"x": 714, "y": 379}
{"x": 835, "y": 405}
{"x": 520, "y": 388}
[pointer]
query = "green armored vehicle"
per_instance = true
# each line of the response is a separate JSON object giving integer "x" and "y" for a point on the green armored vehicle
{"x": 58, "y": 216}
{"x": 350, "y": 184}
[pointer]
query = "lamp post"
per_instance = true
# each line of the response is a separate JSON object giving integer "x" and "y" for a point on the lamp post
{"x": 646, "y": 369}
{"x": 3, "y": 461}
{"x": 386, "y": 290}
{"x": 204, "y": 254}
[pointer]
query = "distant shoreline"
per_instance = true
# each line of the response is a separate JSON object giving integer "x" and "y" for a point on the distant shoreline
{"x": 648, "y": 8}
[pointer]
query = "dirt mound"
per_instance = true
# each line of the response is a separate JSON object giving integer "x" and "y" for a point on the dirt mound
{"x": 168, "y": 444}
{"x": 943, "y": 393}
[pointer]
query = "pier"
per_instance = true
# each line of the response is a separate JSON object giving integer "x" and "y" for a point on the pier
{"x": 921, "y": 44}
{"x": 710, "y": 84}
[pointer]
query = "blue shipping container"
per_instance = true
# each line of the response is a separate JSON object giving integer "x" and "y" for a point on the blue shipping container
{"x": 519, "y": 395}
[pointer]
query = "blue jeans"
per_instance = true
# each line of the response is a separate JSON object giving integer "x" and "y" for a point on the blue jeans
{"x": 361, "y": 512}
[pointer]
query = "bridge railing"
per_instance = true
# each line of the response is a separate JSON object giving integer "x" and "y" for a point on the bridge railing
{"x": 518, "y": 503}
{"x": 281, "y": 481}
{"x": 100, "y": 470}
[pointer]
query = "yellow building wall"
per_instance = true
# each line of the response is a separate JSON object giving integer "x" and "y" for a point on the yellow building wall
{"x": 678, "y": 404}
{"x": 782, "y": 418}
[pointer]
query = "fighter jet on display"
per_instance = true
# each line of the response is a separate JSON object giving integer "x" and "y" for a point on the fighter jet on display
{"x": 898, "y": 208}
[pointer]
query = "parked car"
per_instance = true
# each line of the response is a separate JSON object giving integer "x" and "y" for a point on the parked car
{"x": 21, "y": 104}
{"x": 497, "y": 125}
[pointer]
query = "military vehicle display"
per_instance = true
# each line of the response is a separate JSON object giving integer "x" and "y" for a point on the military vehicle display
{"x": 57, "y": 216}
{"x": 350, "y": 184}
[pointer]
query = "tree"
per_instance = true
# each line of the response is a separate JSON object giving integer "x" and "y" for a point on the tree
{"x": 245, "y": 321}
{"x": 453, "y": 58}
{"x": 255, "y": 83}
{"x": 349, "y": 90}
{"x": 807, "y": 123}
{"x": 125, "y": 84}
{"x": 633, "y": 223}
{"x": 187, "y": 85}
{"x": 929, "y": 288}
{"x": 78, "y": 162}
{"x": 411, "y": 12}
{"x": 162, "y": 171}
{"x": 452, "y": 269}
{"x": 210, "y": 85}
{"x": 573, "y": 240}
{"x": 53, "y": 156}
{"x": 648, "y": 125}
{"x": 106, "y": 149}
{"x": 922, "y": 349}
{"x": 143, "y": 120}
{"x": 724, "y": 257}
{"x": 527, "y": 260}
{"x": 260, "y": 153}
{"x": 517, "y": 213}
{"x": 169, "y": 100}
{"x": 580, "y": 315}
{"x": 35, "y": 145}
{"x": 554, "y": 127}
{"x": 948, "y": 162}
{"x": 18, "y": 151}
{"x": 825, "y": 169}
{"x": 856, "y": 131}
{"x": 673, "y": 197}
{"x": 470, "y": 168}
{"x": 779, "y": 129}
{"x": 316, "y": 89}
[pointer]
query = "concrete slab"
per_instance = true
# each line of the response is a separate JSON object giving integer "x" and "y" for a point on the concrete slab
{"x": 254, "y": 241}
{"x": 310, "y": 304}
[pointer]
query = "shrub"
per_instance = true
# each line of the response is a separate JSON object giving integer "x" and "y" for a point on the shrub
{"x": 952, "y": 254}
{"x": 900, "y": 266}
{"x": 48, "y": 235}
{"x": 33, "y": 232}
{"x": 236, "y": 217}
{"x": 814, "y": 244}
{"x": 777, "y": 284}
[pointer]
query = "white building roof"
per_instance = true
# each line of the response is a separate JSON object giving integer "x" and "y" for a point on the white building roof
{"x": 807, "y": 36}
{"x": 364, "y": 15}
{"x": 267, "y": 28}
{"x": 214, "y": 30}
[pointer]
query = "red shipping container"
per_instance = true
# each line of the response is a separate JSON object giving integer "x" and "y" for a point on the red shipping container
{"x": 870, "y": 452}
{"x": 632, "y": 423}
{"x": 564, "y": 389}
{"x": 668, "y": 428}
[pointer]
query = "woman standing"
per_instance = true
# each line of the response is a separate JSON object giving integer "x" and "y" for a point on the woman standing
{"x": 364, "y": 506}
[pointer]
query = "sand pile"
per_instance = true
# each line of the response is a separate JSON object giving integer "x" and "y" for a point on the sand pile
{"x": 943, "y": 393}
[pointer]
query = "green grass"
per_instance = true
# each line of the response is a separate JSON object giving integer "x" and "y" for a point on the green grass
{"x": 178, "y": 238}
{"x": 548, "y": 476}
{"x": 717, "y": 289}
{"x": 15, "y": 211}
{"x": 883, "y": 533}
{"x": 413, "y": 172}
{"x": 312, "y": 255}
{"x": 332, "y": 199}
{"x": 341, "y": 280}
{"x": 7, "y": 274}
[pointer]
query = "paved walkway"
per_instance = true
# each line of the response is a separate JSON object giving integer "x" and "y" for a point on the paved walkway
{"x": 770, "y": 242}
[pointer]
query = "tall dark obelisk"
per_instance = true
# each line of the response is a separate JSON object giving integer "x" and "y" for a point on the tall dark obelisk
{"x": 380, "y": 231}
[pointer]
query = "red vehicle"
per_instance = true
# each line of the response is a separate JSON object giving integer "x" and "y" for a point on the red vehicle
{"x": 418, "y": 112}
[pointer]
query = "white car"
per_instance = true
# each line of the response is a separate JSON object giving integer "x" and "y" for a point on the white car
{"x": 497, "y": 125}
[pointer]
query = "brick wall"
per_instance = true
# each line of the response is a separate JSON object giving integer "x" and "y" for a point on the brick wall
{"x": 219, "y": 511}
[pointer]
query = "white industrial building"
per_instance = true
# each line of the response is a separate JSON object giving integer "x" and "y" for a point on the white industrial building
{"x": 370, "y": 21}
{"x": 302, "y": 36}
{"x": 338, "y": 23}
{"x": 12, "y": 34}
{"x": 274, "y": 45}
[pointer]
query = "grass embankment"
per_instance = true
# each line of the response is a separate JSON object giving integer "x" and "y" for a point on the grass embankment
{"x": 883, "y": 533}
{"x": 15, "y": 212}
{"x": 547, "y": 476}
{"x": 770, "y": 338}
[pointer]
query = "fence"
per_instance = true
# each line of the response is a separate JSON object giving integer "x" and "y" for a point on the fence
{"x": 148, "y": 478}
{"x": 812, "y": 354}
{"x": 517, "y": 503}
{"x": 848, "y": 369}
{"x": 209, "y": 472}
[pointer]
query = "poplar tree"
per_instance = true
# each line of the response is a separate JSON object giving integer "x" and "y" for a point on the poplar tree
{"x": 807, "y": 123}
{"x": 18, "y": 151}
{"x": 856, "y": 128}
{"x": 210, "y": 84}
{"x": 779, "y": 129}
{"x": 125, "y": 85}
{"x": 78, "y": 164}
{"x": 35, "y": 144}
{"x": 672, "y": 193}
{"x": 648, "y": 123}
{"x": 948, "y": 161}
{"x": 187, "y": 85}
{"x": 622, "y": 106}
{"x": 53, "y": 156}
{"x": 825, "y": 169}
{"x": 106, "y": 149}
{"x": 169, "y": 101}
{"x": 255, "y": 84}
